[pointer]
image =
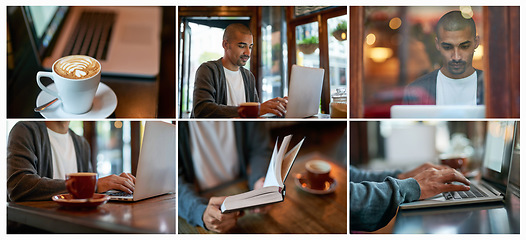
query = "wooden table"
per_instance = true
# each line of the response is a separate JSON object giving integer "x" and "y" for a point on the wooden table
{"x": 154, "y": 215}
{"x": 300, "y": 212}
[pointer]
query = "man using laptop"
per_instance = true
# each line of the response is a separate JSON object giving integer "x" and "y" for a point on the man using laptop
{"x": 221, "y": 85}
{"x": 40, "y": 154}
{"x": 376, "y": 196}
{"x": 457, "y": 82}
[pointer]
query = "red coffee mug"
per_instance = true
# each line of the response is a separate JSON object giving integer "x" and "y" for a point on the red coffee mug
{"x": 248, "y": 110}
{"x": 454, "y": 162}
{"x": 318, "y": 174}
{"x": 81, "y": 185}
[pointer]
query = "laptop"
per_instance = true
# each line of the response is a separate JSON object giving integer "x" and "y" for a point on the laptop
{"x": 304, "y": 92}
{"x": 125, "y": 40}
{"x": 495, "y": 171}
{"x": 156, "y": 167}
{"x": 434, "y": 111}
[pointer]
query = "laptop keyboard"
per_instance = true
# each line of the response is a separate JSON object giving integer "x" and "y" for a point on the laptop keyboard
{"x": 473, "y": 192}
{"x": 92, "y": 34}
{"x": 120, "y": 194}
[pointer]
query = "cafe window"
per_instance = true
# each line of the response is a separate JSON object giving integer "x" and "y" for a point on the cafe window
{"x": 320, "y": 41}
{"x": 113, "y": 153}
{"x": 200, "y": 41}
{"x": 337, "y": 37}
{"x": 273, "y": 53}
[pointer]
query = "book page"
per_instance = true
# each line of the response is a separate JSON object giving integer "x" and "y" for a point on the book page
{"x": 289, "y": 160}
{"x": 273, "y": 177}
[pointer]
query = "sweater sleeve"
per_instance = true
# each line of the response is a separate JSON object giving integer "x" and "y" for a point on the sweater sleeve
{"x": 357, "y": 175}
{"x": 23, "y": 180}
{"x": 190, "y": 205}
{"x": 206, "y": 94}
{"x": 374, "y": 204}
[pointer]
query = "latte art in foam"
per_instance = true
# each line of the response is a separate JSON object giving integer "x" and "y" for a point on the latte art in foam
{"x": 77, "y": 67}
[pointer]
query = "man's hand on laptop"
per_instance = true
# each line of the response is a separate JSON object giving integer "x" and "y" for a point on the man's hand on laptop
{"x": 420, "y": 169}
{"x": 433, "y": 181}
{"x": 277, "y": 106}
{"x": 124, "y": 182}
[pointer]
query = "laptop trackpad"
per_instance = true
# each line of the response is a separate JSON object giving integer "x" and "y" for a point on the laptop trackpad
{"x": 135, "y": 34}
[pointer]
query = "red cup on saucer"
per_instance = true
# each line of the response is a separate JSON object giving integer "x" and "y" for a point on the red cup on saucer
{"x": 81, "y": 185}
{"x": 248, "y": 110}
{"x": 318, "y": 174}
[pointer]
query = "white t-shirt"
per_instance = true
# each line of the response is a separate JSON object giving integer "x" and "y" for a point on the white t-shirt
{"x": 456, "y": 91}
{"x": 63, "y": 154}
{"x": 235, "y": 87}
{"x": 214, "y": 153}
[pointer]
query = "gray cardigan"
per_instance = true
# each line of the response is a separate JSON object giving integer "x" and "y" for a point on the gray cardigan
{"x": 375, "y": 197}
{"x": 428, "y": 84}
{"x": 30, "y": 165}
{"x": 210, "y": 91}
{"x": 254, "y": 155}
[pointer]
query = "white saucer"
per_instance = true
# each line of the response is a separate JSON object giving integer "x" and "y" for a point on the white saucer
{"x": 104, "y": 104}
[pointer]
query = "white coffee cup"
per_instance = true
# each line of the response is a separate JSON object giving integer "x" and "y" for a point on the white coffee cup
{"x": 77, "y": 91}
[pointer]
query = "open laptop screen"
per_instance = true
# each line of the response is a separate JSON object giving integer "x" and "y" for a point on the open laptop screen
{"x": 42, "y": 23}
{"x": 500, "y": 138}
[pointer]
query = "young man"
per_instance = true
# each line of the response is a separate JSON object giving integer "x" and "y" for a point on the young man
{"x": 40, "y": 154}
{"x": 221, "y": 85}
{"x": 457, "y": 82}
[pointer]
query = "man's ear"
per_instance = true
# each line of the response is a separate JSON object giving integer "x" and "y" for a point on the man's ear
{"x": 225, "y": 42}
{"x": 477, "y": 42}
{"x": 436, "y": 44}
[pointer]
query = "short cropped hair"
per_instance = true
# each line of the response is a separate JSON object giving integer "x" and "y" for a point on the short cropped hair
{"x": 235, "y": 27}
{"x": 454, "y": 21}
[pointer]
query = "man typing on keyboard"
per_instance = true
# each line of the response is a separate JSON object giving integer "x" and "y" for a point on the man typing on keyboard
{"x": 376, "y": 196}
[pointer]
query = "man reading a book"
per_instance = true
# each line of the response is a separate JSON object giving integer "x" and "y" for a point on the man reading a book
{"x": 213, "y": 155}
{"x": 222, "y": 85}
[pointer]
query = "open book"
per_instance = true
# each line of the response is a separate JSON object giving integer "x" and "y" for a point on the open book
{"x": 273, "y": 189}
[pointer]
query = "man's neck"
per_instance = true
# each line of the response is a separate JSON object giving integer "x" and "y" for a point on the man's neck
{"x": 228, "y": 65}
{"x": 58, "y": 127}
{"x": 466, "y": 74}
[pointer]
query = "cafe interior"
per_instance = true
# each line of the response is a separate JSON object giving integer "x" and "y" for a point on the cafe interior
{"x": 36, "y": 37}
{"x": 405, "y": 145}
{"x": 392, "y": 46}
{"x": 115, "y": 148}
{"x": 303, "y": 210}
{"x": 283, "y": 36}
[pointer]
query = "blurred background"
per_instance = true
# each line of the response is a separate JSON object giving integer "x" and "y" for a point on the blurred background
{"x": 380, "y": 145}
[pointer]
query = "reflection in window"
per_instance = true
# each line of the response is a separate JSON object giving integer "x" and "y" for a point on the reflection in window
{"x": 399, "y": 46}
{"x": 307, "y": 45}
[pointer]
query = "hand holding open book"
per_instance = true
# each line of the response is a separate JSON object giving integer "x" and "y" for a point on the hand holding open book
{"x": 273, "y": 189}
